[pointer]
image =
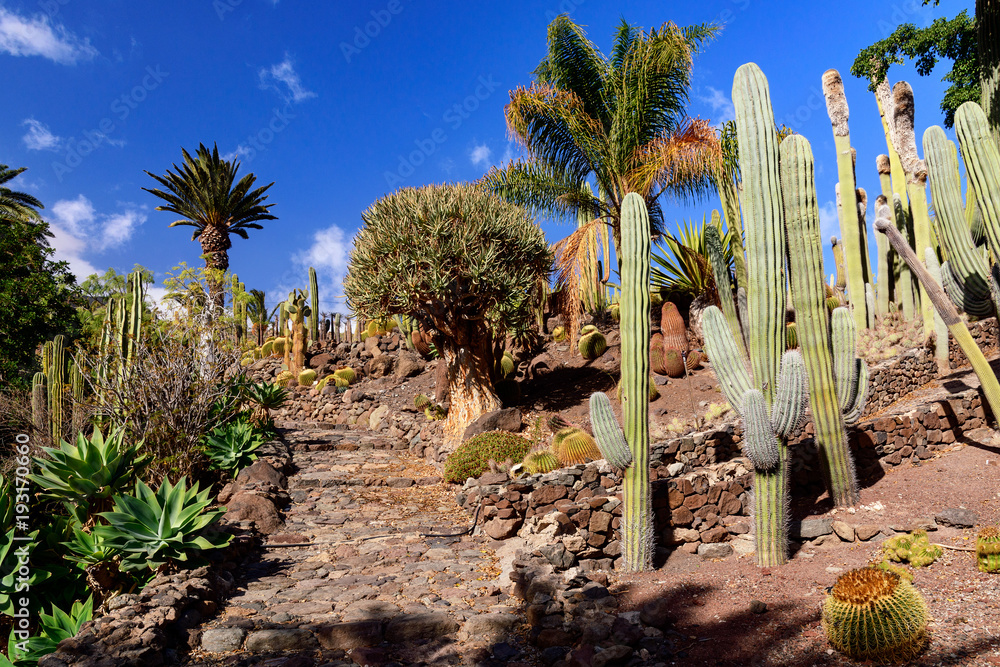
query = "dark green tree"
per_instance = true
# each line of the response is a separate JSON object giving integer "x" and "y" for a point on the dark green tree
{"x": 463, "y": 263}
{"x": 36, "y": 293}
{"x": 972, "y": 44}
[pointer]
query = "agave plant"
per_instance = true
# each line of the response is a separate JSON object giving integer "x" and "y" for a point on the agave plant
{"x": 10, "y": 551}
{"x": 264, "y": 397}
{"x": 231, "y": 448}
{"x": 53, "y": 628}
{"x": 681, "y": 265}
{"x": 154, "y": 529}
{"x": 84, "y": 476}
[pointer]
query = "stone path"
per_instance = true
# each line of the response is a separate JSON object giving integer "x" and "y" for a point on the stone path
{"x": 371, "y": 588}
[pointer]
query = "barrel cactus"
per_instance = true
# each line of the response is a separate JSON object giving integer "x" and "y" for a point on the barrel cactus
{"x": 574, "y": 445}
{"x": 592, "y": 343}
{"x": 988, "y": 549}
{"x": 307, "y": 377}
{"x": 874, "y": 614}
{"x": 540, "y": 462}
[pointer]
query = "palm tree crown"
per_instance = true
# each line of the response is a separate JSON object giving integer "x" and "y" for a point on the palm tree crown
{"x": 16, "y": 205}
{"x": 619, "y": 120}
{"x": 202, "y": 190}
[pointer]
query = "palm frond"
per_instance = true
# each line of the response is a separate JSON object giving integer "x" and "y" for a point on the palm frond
{"x": 574, "y": 64}
{"x": 682, "y": 163}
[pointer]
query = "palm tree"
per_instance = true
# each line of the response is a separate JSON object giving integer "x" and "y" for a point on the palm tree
{"x": 259, "y": 315}
{"x": 202, "y": 191}
{"x": 619, "y": 121}
{"x": 16, "y": 205}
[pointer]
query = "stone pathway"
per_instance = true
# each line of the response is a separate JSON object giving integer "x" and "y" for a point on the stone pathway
{"x": 371, "y": 588}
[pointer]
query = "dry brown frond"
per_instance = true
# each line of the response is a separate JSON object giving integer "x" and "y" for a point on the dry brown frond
{"x": 572, "y": 254}
{"x": 681, "y": 159}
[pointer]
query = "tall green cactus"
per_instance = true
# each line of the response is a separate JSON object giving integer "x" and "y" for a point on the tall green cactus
{"x": 56, "y": 381}
{"x": 855, "y": 254}
{"x": 76, "y": 382}
{"x": 805, "y": 260}
{"x": 637, "y": 517}
{"x": 968, "y": 280}
{"x": 314, "y": 304}
{"x": 336, "y": 327}
{"x": 987, "y": 378}
{"x": 298, "y": 310}
{"x": 941, "y": 349}
{"x": 765, "y": 298}
{"x": 982, "y": 166}
{"x": 723, "y": 281}
{"x": 39, "y": 400}
{"x": 886, "y": 259}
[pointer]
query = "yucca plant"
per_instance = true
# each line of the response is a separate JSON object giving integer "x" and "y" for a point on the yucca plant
{"x": 680, "y": 263}
{"x": 157, "y": 529}
{"x": 264, "y": 397}
{"x": 231, "y": 448}
{"x": 85, "y": 475}
{"x": 52, "y": 629}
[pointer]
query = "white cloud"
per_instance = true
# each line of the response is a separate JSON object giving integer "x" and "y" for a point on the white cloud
{"x": 721, "y": 105}
{"x": 23, "y": 36}
{"x": 284, "y": 72}
{"x": 480, "y": 154}
{"x": 39, "y": 137}
{"x": 80, "y": 230}
{"x": 328, "y": 254}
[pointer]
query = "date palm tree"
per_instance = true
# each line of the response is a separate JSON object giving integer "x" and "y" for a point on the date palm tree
{"x": 619, "y": 121}
{"x": 16, "y": 205}
{"x": 202, "y": 190}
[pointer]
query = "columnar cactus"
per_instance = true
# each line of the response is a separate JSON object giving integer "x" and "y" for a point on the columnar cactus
{"x": 314, "y": 306}
{"x": 637, "y": 516}
{"x": 608, "y": 435}
{"x": 916, "y": 184}
{"x": 830, "y": 372}
{"x": 336, "y": 327}
{"x": 723, "y": 282}
{"x": 941, "y": 350}
{"x": 965, "y": 274}
{"x": 982, "y": 166}
{"x": 855, "y": 254}
{"x": 298, "y": 310}
{"x": 987, "y": 379}
{"x": 56, "y": 380}
{"x": 886, "y": 258}
{"x": 76, "y": 382}
{"x": 765, "y": 298}
{"x": 39, "y": 399}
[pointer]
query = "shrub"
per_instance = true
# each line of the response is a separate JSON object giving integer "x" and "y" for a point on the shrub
{"x": 472, "y": 458}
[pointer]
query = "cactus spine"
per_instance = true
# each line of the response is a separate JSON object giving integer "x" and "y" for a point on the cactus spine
{"x": 314, "y": 304}
{"x": 987, "y": 379}
{"x": 805, "y": 259}
{"x": 637, "y": 516}
{"x": 855, "y": 255}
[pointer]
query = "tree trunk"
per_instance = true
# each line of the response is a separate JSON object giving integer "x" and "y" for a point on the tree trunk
{"x": 215, "y": 245}
{"x": 469, "y": 362}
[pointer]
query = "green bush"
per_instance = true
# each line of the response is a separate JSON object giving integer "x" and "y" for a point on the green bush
{"x": 472, "y": 458}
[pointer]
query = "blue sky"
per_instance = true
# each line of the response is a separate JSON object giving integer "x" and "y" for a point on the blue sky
{"x": 340, "y": 103}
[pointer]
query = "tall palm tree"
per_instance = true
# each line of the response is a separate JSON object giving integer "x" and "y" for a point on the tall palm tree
{"x": 619, "y": 120}
{"x": 259, "y": 315}
{"x": 203, "y": 192}
{"x": 16, "y": 205}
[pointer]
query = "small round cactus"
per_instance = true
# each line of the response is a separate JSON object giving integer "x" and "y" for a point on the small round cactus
{"x": 421, "y": 402}
{"x": 592, "y": 344}
{"x": 914, "y": 548}
{"x": 559, "y": 334}
{"x": 277, "y": 346}
{"x": 507, "y": 366}
{"x": 540, "y": 462}
{"x": 283, "y": 378}
{"x": 988, "y": 549}
{"x": 873, "y": 614}
{"x": 346, "y": 374}
{"x": 307, "y": 377}
{"x": 791, "y": 336}
{"x": 574, "y": 445}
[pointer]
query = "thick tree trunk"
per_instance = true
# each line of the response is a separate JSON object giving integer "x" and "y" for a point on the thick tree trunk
{"x": 469, "y": 363}
{"x": 215, "y": 246}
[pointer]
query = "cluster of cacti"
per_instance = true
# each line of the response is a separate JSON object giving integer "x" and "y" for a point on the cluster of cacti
{"x": 890, "y": 336}
{"x": 431, "y": 410}
{"x": 592, "y": 342}
{"x": 914, "y": 548}
{"x": 669, "y": 350}
{"x": 874, "y": 614}
{"x": 297, "y": 311}
{"x": 988, "y": 549}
